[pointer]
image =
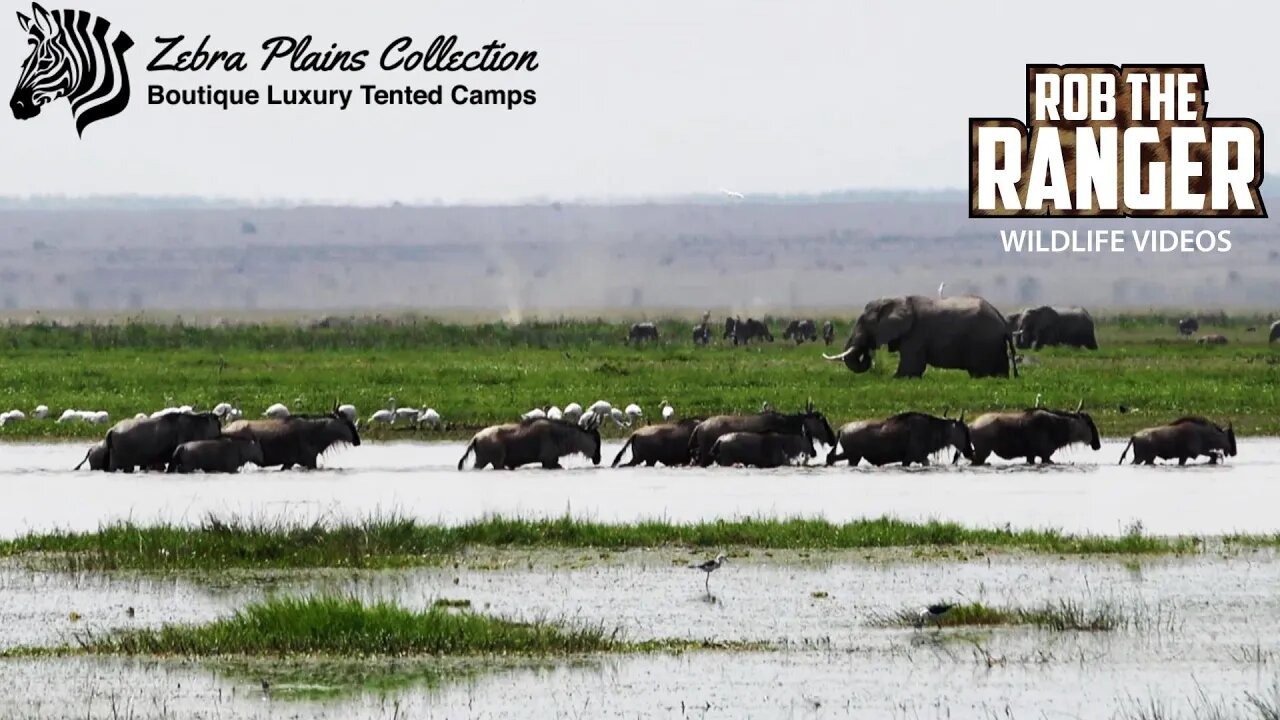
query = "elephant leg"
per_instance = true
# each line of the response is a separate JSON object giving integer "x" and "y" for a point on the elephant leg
{"x": 647, "y": 463}
{"x": 979, "y": 458}
{"x": 1213, "y": 458}
{"x": 834, "y": 457}
{"x": 854, "y": 460}
{"x": 910, "y": 364}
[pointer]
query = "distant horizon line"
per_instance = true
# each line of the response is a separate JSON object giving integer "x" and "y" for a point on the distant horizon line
{"x": 157, "y": 201}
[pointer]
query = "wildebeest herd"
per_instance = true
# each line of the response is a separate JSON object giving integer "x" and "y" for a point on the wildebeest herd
{"x": 770, "y": 439}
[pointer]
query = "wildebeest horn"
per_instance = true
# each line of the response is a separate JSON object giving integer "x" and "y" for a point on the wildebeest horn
{"x": 1079, "y": 404}
{"x": 841, "y": 356}
{"x": 961, "y": 418}
{"x": 946, "y": 412}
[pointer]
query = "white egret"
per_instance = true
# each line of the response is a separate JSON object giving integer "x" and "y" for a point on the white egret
{"x": 555, "y": 413}
{"x": 41, "y": 412}
{"x": 277, "y": 411}
{"x": 572, "y": 412}
{"x": 731, "y": 193}
{"x": 534, "y": 414}
{"x": 634, "y": 412}
{"x": 348, "y": 411}
{"x": 668, "y": 412}
{"x": 619, "y": 418}
{"x": 430, "y": 418}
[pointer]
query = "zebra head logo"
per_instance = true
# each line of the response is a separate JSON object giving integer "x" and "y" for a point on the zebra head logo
{"x": 75, "y": 55}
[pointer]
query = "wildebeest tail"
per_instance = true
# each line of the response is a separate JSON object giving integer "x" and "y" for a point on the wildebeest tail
{"x": 175, "y": 461}
{"x": 85, "y": 460}
{"x": 470, "y": 446}
{"x": 618, "y": 458}
{"x": 1126, "y": 451}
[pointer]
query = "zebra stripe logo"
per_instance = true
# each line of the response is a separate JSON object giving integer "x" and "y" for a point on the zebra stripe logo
{"x": 76, "y": 55}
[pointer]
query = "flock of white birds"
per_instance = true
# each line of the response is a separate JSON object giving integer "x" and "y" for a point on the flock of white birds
{"x": 391, "y": 415}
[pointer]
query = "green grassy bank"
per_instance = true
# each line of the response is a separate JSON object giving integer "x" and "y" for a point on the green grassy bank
{"x": 476, "y": 375}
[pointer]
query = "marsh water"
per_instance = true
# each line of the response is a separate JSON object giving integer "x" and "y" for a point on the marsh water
{"x": 1196, "y": 629}
{"x": 1085, "y": 492}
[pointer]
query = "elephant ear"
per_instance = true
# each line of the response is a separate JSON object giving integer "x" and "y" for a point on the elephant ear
{"x": 895, "y": 319}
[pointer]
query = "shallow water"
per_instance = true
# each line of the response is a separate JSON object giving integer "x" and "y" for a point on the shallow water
{"x": 1202, "y": 622}
{"x": 1086, "y": 492}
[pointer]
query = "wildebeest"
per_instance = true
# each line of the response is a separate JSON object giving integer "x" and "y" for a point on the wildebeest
{"x": 96, "y": 457}
{"x": 1188, "y": 326}
{"x": 1275, "y": 332}
{"x": 1184, "y": 439}
{"x": 906, "y": 438}
{"x": 701, "y": 334}
{"x": 744, "y": 331}
{"x": 225, "y": 454}
{"x": 1212, "y": 340}
{"x": 149, "y": 442}
{"x": 667, "y": 444}
{"x": 1034, "y": 434}
{"x": 828, "y": 332}
{"x": 1043, "y": 326}
{"x": 297, "y": 439}
{"x": 540, "y": 440}
{"x": 642, "y": 331}
{"x": 762, "y": 450}
{"x": 800, "y": 331}
{"x": 708, "y": 431}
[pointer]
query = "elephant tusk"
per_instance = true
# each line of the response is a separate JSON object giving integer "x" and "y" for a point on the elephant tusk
{"x": 841, "y": 356}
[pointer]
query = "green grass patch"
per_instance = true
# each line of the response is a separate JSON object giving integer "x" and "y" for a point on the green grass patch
{"x": 399, "y": 542}
{"x": 480, "y": 374}
{"x": 1064, "y": 615}
{"x": 347, "y": 627}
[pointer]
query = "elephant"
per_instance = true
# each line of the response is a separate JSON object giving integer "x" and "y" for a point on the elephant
{"x": 1212, "y": 340}
{"x": 1012, "y": 320}
{"x": 539, "y": 440}
{"x": 906, "y": 438}
{"x": 667, "y": 444}
{"x": 297, "y": 439}
{"x": 1188, "y": 326}
{"x": 1185, "y": 438}
{"x": 762, "y": 450}
{"x": 149, "y": 442}
{"x": 1036, "y": 433}
{"x": 800, "y": 330}
{"x": 96, "y": 457}
{"x": 708, "y": 431}
{"x": 225, "y": 454}
{"x": 828, "y": 332}
{"x": 642, "y": 331}
{"x": 1275, "y": 332}
{"x": 1044, "y": 326}
{"x": 959, "y": 333}
{"x": 744, "y": 331}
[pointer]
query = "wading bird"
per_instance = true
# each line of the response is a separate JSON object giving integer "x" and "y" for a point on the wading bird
{"x": 634, "y": 412}
{"x": 620, "y": 418}
{"x": 222, "y": 409}
{"x": 555, "y": 413}
{"x": 534, "y": 414}
{"x": 732, "y": 194}
{"x": 941, "y": 286}
{"x": 430, "y": 418}
{"x": 572, "y": 412}
{"x": 348, "y": 411}
{"x": 709, "y": 567}
{"x": 668, "y": 412}
{"x": 41, "y": 412}
{"x": 278, "y": 411}
{"x": 932, "y": 612}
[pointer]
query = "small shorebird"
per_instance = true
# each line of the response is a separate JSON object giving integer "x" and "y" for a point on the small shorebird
{"x": 709, "y": 567}
{"x": 932, "y": 612}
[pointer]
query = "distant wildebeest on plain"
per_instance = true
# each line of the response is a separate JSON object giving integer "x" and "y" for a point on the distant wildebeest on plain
{"x": 1275, "y": 332}
{"x": 641, "y": 332}
{"x": 701, "y": 333}
{"x": 1188, "y": 326}
{"x": 1212, "y": 340}
{"x": 539, "y": 440}
{"x": 800, "y": 331}
{"x": 744, "y": 331}
{"x": 828, "y": 332}
{"x": 1183, "y": 439}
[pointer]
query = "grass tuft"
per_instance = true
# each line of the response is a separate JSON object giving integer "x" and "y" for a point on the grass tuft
{"x": 347, "y": 627}
{"x": 1061, "y": 616}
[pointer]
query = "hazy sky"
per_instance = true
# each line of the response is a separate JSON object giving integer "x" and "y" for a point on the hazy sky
{"x": 633, "y": 98}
